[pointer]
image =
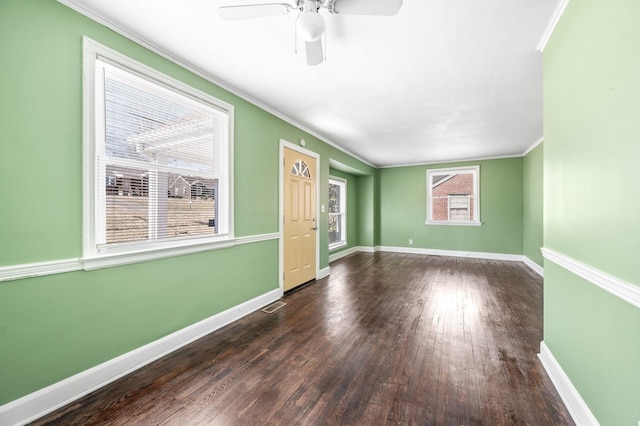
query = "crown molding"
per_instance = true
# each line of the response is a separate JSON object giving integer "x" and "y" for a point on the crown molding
{"x": 532, "y": 147}
{"x": 551, "y": 26}
{"x": 466, "y": 160}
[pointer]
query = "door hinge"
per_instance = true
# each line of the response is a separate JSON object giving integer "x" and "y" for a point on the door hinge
{"x": 283, "y": 276}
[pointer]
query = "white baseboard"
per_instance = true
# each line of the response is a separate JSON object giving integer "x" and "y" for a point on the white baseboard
{"x": 533, "y": 265}
{"x": 453, "y": 253}
{"x": 324, "y": 272}
{"x": 434, "y": 252}
{"x": 339, "y": 255}
{"x": 366, "y": 249}
{"x": 576, "y": 406}
{"x": 43, "y": 401}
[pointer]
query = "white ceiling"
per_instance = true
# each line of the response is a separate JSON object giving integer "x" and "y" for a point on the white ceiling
{"x": 442, "y": 80}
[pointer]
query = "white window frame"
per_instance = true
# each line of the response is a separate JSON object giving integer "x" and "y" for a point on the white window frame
{"x": 475, "y": 172}
{"x": 95, "y": 256}
{"x": 343, "y": 210}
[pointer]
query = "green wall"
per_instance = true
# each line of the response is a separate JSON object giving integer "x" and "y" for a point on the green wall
{"x": 403, "y": 210}
{"x": 533, "y": 204}
{"x": 366, "y": 211}
{"x": 591, "y": 187}
{"x": 377, "y": 208}
{"x": 55, "y": 326}
{"x": 592, "y": 93}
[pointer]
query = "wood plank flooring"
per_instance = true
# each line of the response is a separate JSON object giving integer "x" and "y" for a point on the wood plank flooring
{"x": 387, "y": 339}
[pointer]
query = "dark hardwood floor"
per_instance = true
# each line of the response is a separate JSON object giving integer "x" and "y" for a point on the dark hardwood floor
{"x": 386, "y": 339}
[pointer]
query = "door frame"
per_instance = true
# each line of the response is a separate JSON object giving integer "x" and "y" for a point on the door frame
{"x": 286, "y": 144}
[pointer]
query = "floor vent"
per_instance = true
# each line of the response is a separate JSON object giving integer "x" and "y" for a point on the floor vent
{"x": 273, "y": 307}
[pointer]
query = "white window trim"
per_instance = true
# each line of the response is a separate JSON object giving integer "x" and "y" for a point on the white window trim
{"x": 120, "y": 254}
{"x": 475, "y": 170}
{"x": 342, "y": 243}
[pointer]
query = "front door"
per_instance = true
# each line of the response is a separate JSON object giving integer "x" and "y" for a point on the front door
{"x": 300, "y": 226}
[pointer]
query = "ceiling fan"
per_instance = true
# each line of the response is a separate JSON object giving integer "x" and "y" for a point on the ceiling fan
{"x": 310, "y": 24}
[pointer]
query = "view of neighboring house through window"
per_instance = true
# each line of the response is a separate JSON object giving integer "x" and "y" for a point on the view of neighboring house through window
{"x": 453, "y": 196}
{"x": 161, "y": 160}
{"x": 337, "y": 213}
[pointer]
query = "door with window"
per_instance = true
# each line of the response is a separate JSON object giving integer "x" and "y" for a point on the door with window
{"x": 300, "y": 225}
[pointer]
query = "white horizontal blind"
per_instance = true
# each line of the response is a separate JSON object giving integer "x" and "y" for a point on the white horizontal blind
{"x": 459, "y": 207}
{"x": 161, "y": 161}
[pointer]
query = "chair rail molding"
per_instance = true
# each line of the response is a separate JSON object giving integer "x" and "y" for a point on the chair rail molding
{"x": 39, "y": 269}
{"x": 625, "y": 291}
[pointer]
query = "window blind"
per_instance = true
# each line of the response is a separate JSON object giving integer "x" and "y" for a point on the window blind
{"x": 161, "y": 160}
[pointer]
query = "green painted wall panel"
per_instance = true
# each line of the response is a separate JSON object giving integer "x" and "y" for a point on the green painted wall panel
{"x": 36, "y": 101}
{"x": 591, "y": 183}
{"x": 592, "y": 134}
{"x": 377, "y": 210}
{"x": 595, "y": 337}
{"x": 366, "y": 211}
{"x": 403, "y": 210}
{"x": 533, "y": 204}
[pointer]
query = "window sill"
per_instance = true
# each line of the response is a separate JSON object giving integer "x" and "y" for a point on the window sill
{"x": 336, "y": 246}
{"x": 454, "y": 223}
{"x": 125, "y": 258}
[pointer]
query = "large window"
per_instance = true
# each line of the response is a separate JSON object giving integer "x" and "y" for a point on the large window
{"x": 453, "y": 197}
{"x": 157, "y": 159}
{"x": 337, "y": 213}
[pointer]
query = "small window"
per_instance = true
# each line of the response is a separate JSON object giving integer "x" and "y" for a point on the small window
{"x": 162, "y": 149}
{"x": 453, "y": 197}
{"x": 337, "y": 213}
{"x": 300, "y": 168}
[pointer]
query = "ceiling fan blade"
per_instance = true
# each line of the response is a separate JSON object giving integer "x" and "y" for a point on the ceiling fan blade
{"x": 367, "y": 7}
{"x": 315, "y": 54}
{"x": 248, "y": 11}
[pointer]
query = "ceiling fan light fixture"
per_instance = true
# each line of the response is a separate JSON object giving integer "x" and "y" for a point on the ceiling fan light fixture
{"x": 310, "y": 25}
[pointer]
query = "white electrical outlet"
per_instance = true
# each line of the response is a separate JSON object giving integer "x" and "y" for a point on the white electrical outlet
{"x": 411, "y": 243}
